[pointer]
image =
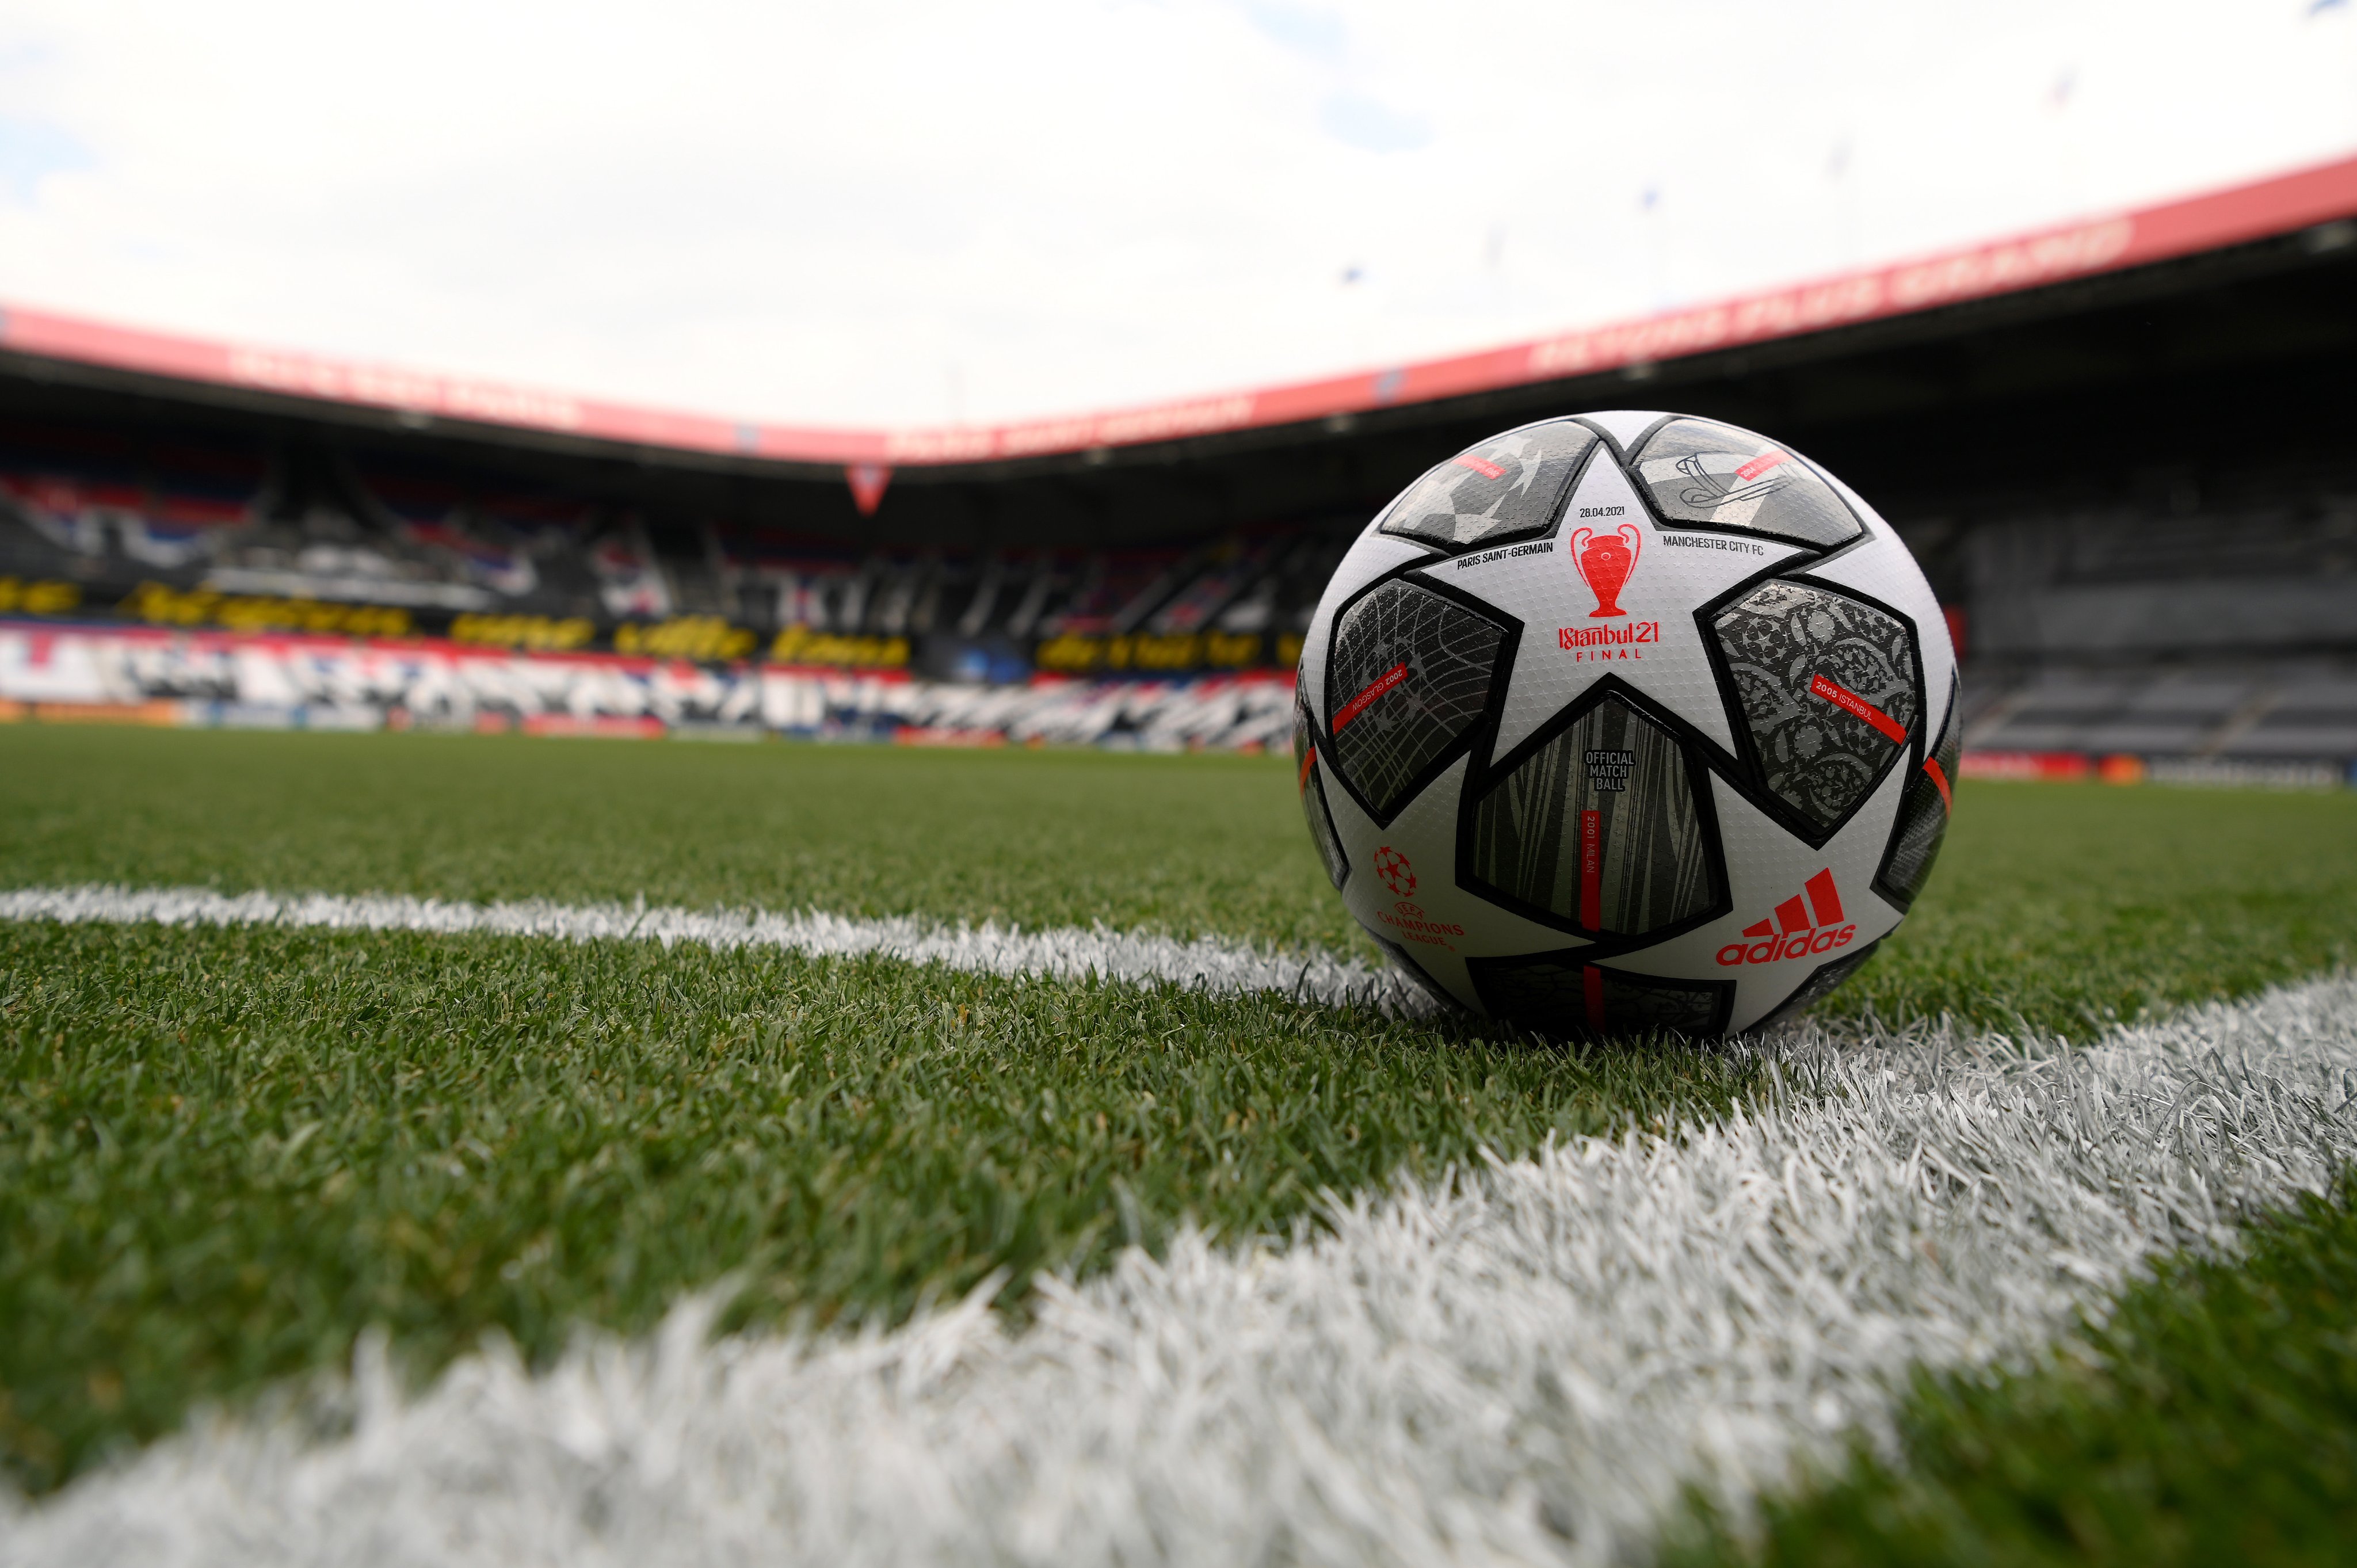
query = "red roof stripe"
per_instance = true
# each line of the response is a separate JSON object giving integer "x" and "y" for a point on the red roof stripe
{"x": 2278, "y": 205}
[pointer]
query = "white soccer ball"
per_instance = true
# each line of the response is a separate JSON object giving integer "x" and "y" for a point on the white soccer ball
{"x": 1628, "y": 722}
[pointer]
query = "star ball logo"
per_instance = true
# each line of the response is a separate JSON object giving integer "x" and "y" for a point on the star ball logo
{"x": 1396, "y": 873}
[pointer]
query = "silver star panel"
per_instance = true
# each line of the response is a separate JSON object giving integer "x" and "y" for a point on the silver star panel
{"x": 1546, "y": 591}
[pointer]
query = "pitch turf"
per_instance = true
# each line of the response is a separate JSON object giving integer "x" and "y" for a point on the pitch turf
{"x": 1044, "y": 838}
{"x": 221, "y": 1152}
{"x": 228, "y": 1150}
{"x": 2064, "y": 908}
{"x": 2213, "y": 1419}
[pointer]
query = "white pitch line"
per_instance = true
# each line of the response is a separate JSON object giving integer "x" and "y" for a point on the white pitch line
{"x": 1206, "y": 963}
{"x": 1520, "y": 1365}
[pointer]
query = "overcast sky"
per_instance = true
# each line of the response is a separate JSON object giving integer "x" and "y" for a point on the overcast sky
{"x": 903, "y": 212}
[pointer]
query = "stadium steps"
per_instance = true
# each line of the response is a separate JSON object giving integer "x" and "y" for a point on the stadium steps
{"x": 2280, "y": 711}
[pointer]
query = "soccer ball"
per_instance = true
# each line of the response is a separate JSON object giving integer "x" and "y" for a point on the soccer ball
{"x": 1628, "y": 722}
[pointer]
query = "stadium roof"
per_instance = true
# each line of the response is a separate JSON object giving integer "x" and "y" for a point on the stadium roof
{"x": 40, "y": 344}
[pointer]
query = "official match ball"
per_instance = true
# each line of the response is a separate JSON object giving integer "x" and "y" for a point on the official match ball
{"x": 1627, "y": 723}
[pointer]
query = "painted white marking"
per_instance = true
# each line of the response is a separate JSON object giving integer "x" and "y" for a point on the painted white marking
{"x": 1206, "y": 963}
{"x": 1519, "y": 1365}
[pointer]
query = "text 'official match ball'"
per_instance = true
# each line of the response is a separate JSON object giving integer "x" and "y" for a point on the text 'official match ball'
{"x": 1628, "y": 722}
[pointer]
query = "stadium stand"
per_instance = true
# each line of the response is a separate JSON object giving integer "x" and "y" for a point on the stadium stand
{"x": 2206, "y": 614}
{"x": 2117, "y": 447}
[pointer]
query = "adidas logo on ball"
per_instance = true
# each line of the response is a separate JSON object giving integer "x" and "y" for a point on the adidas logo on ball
{"x": 1793, "y": 932}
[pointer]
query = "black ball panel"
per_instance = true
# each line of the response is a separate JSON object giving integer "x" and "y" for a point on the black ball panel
{"x": 1557, "y": 994}
{"x": 1818, "y": 986}
{"x": 1406, "y": 963}
{"x": 1599, "y": 828}
{"x": 1922, "y": 820}
{"x": 1711, "y": 475}
{"x": 1509, "y": 486}
{"x": 1408, "y": 675}
{"x": 1321, "y": 828}
{"x": 1825, "y": 687}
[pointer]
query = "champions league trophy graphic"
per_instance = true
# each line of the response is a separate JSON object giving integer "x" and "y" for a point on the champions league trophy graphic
{"x": 1605, "y": 561}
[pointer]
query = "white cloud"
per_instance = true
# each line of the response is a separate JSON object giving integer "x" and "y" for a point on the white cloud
{"x": 858, "y": 214}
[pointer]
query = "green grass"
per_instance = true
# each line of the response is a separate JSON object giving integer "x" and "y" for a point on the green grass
{"x": 2067, "y": 906}
{"x": 1187, "y": 844}
{"x": 2213, "y": 1419}
{"x": 2073, "y": 907}
{"x": 223, "y": 1152}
